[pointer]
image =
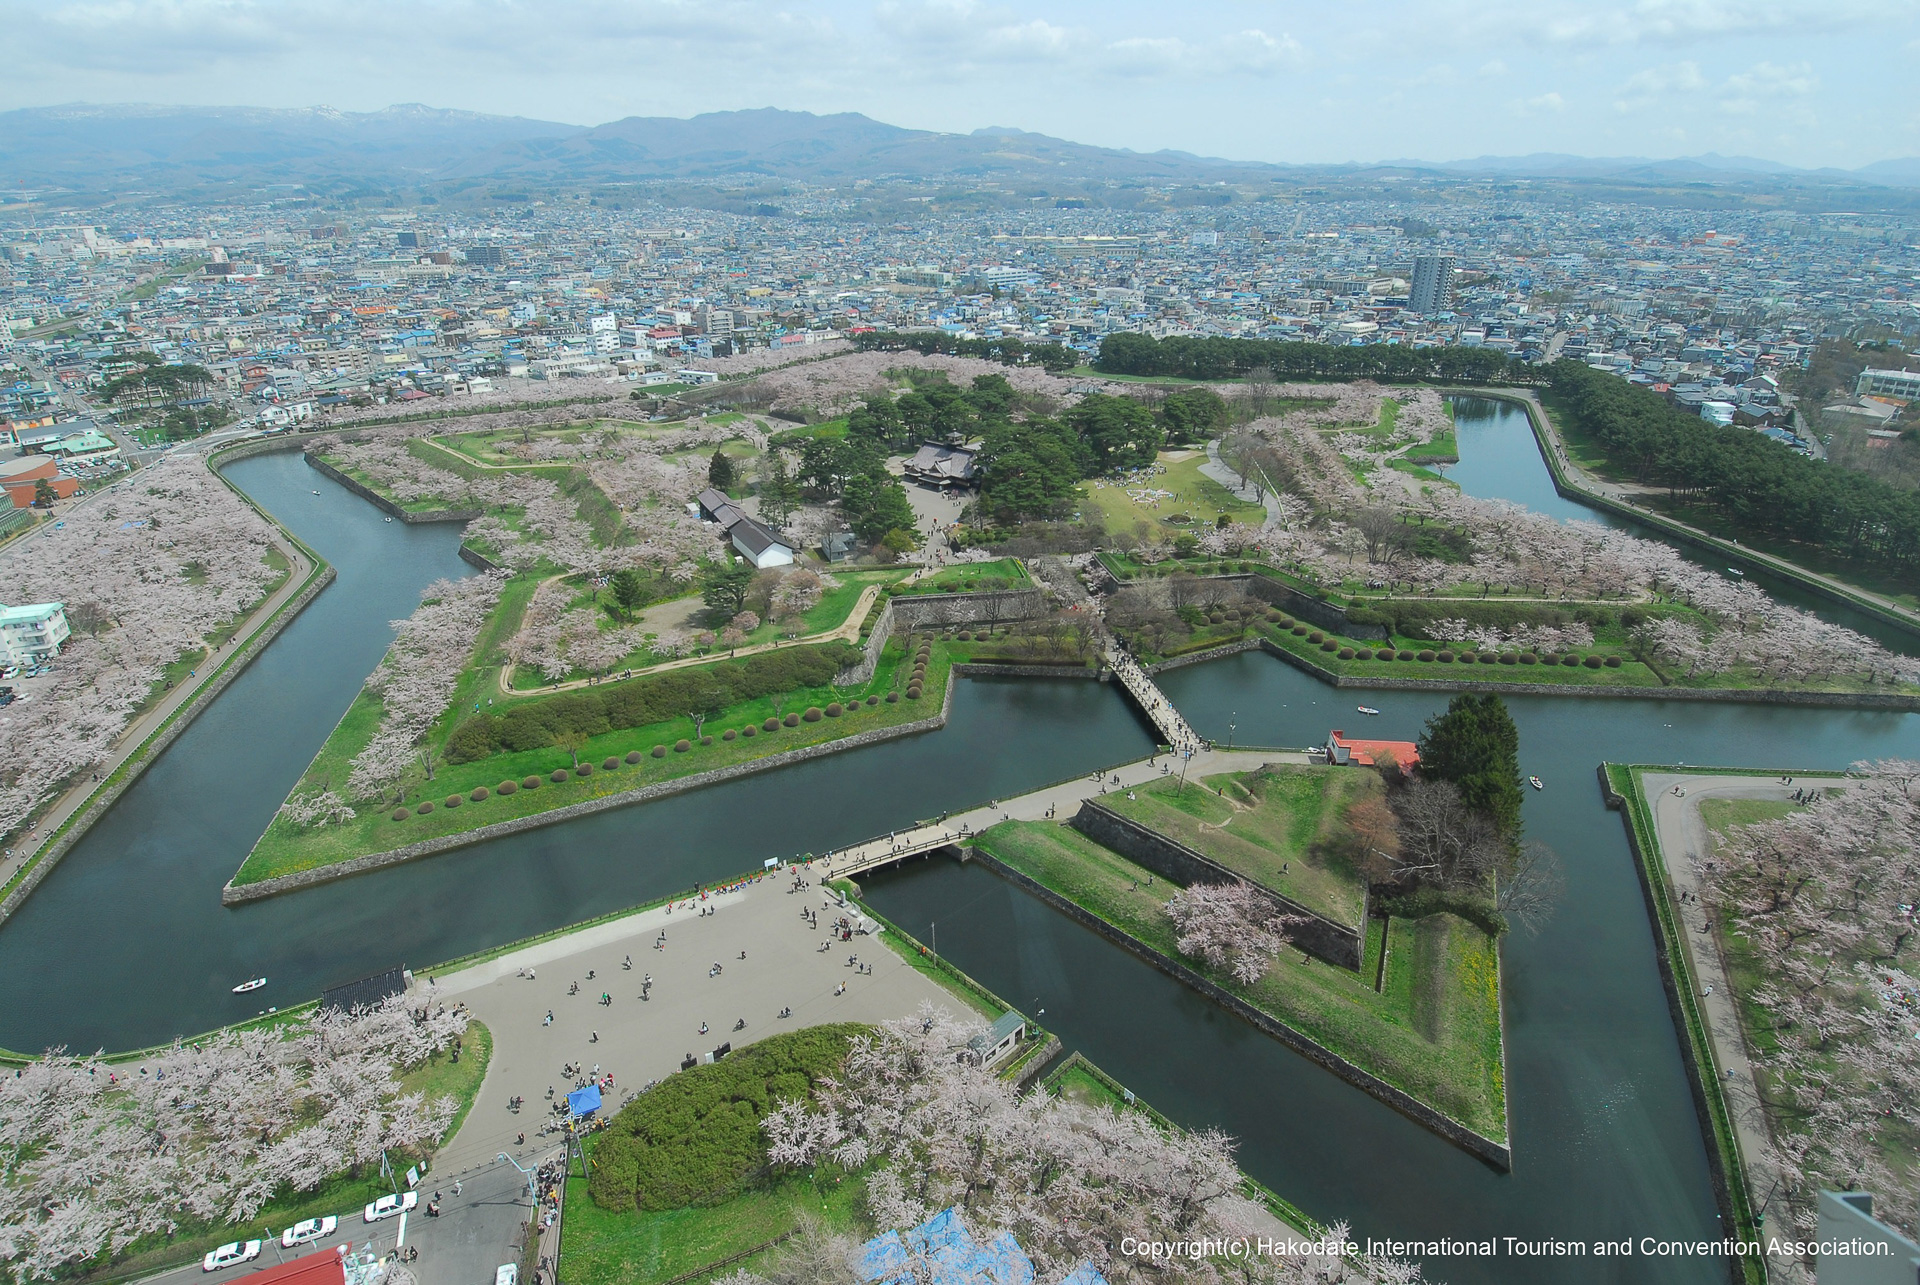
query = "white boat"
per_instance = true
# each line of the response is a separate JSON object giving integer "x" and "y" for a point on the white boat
{"x": 1368, "y": 709}
{"x": 253, "y": 985}
{"x": 1536, "y": 783}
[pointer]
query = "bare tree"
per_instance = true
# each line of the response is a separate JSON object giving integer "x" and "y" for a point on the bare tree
{"x": 1386, "y": 537}
{"x": 1442, "y": 840}
{"x": 1529, "y": 885}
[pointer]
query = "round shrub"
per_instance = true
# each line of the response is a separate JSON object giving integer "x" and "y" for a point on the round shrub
{"x": 1217, "y": 618}
{"x": 893, "y": 698}
{"x": 401, "y": 814}
{"x": 769, "y": 725}
{"x": 1275, "y": 618}
{"x": 751, "y": 729}
{"x": 791, "y": 720}
{"x": 1508, "y": 658}
{"x": 585, "y": 769}
{"x": 1286, "y": 621}
{"x": 1550, "y": 658}
{"x": 1346, "y": 653}
{"x": 813, "y": 714}
{"x": 1528, "y": 658}
{"x": 1426, "y": 654}
{"x": 452, "y": 801}
{"x": 873, "y": 700}
{"x": 913, "y": 693}
{"x": 1488, "y": 658}
{"x": 1613, "y": 662}
{"x": 1467, "y": 658}
{"x": 682, "y": 745}
{"x": 1364, "y": 653}
{"x": 1403, "y": 654}
{"x": 729, "y": 734}
{"x": 507, "y": 787}
{"x": 1569, "y": 661}
{"x": 706, "y": 740}
{"x": 965, "y": 635}
{"x": 1316, "y": 637}
{"x": 558, "y": 775}
{"x": 1331, "y": 644}
{"x": 530, "y": 783}
{"x": 480, "y": 792}
{"x": 426, "y": 806}
{"x": 1445, "y": 657}
{"x": 609, "y": 763}
{"x": 1299, "y": 630}
{"x": 633, "y": 756}
{"x": 1592, "y": 662}
{"x": 659, "y": 751}
{"x": 835, "y": 709}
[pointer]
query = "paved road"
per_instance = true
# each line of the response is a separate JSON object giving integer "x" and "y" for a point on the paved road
{"x": 477, "y": 1231}
{"x": 1684, "y": 841}
{"x": 646, "y": 1039}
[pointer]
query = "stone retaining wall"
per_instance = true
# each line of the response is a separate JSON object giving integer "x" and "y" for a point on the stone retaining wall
{"x": 982, "y": 669}
{"x": 474, "y": 558}
{"x": 234, "y": 894}
{"x": 1736, "y": 695}
{"x": 385, "y": 505}
{"x": 183, "y": 717}
{"x": 939, "y": 611}
{"x": 1496, "y": 1154}
{"x": 1337, "y": 944}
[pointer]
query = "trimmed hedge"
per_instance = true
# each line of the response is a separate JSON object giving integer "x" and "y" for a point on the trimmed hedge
{"x": 729, "y": 734}
{"x": 706, "y": 740}
{"x": 813, "y": 714}
{"x": 401, "y": 814}
{"x": 770, "y": 725}
{"x": 426, "y": 806}
{"x": 583, "y": 769}
{"x": 637, "y": 702}
{"x": 750, "y": 729}
{"x": 506, "y": 787}
{"x": 659, "y": 751}
{"x": 835, "y": 709}
{"x": 530, "y": 783}
{"x": 558, "y": 775}
{"x": 479, "y": 794}
{"x": 634, "y": 756}
{"x": 791, "y": 720}
{"x": 610, "y": 763}
{"x": 682, "y": 745}
{"x": 695, "y": 1138}
{"x": 452, "y": 801}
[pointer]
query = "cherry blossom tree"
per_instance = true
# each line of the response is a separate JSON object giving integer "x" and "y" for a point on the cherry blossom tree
{"x": 1233, "y": 927}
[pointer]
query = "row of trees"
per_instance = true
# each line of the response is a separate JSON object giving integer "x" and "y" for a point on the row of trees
{"x": 1822, "y": 904}
{"x": 1185, "y": 357}
{"x": 1760, "y": 486}
{"x": 95, "y": 1156}
{"x": 1008, "y": 352}
{"x": 1070, "y": 1182}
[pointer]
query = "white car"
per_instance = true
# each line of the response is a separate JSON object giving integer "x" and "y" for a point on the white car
{"x": 388, "y": 1206}
{"x": 310, "y": 1230}
{"x": 227, "y": 1255}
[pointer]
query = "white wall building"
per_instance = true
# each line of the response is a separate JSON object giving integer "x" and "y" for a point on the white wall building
{"x": 31, "y": 634}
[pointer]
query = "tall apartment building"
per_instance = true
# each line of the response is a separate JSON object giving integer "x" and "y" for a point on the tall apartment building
{"x": 1432, "y": 284}
{"x": 31, "y": 634}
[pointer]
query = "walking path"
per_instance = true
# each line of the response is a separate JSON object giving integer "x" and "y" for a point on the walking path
{"x": 1053, "y": 802}
{"x": 644, "y": 1032}
{"x": 76, "y": 798}
{"x": 1217, "y": 469}
{"x": 1683, "y": 837}
{"x": 847, "y": 630}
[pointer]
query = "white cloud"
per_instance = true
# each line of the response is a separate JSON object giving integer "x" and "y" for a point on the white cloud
{"x": 1766, "y": 85}
{"x": 1547, "y": 102}
{"x": 1655, "y": 85}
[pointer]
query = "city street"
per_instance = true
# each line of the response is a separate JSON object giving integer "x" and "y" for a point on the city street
{"x": 476, "y": 1232}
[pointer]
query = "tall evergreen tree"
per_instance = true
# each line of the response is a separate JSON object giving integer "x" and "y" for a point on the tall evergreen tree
{"x": 720, "y": 474}
{"x": 1476, "y": 746}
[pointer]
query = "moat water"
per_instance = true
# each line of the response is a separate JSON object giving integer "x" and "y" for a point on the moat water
{"x": 126, "y": 944}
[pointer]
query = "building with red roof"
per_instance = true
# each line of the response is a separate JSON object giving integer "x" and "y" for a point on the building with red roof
{"x": 1344, "y": 750}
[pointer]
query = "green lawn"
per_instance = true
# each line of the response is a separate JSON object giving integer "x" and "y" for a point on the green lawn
{"x": 1272, "y": 827}
{"x": 1433, "y": 1030}
{"x": 286, "y": 849}
{"x": 602, "y": 1247}
{"x": 1201, "y": 500}
{"x": 973, "y": 577}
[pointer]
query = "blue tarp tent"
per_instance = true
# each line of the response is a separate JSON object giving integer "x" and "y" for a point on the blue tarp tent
{"x": 949, "y": 1254}
{"x": 584, "y": 1101}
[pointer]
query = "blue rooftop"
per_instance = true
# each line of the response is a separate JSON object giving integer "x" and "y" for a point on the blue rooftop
{"x": 950, "y": 1256}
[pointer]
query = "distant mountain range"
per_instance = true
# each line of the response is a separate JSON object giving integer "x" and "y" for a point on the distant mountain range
{"x": 92, "y": 147}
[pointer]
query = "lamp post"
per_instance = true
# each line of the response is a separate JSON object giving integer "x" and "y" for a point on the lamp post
{"x": 528, "y": 1173}
{"x": 1231, "y": 725}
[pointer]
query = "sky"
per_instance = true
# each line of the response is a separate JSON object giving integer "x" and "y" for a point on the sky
{"x": 1804, "y": 82}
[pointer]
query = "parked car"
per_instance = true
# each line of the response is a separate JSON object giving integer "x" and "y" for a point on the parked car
{"x": 506, "y": 1274}
{"x": 227, "y": 1255}
{"x": 388, "y": 1206}
{"x": 310, "y": 1230}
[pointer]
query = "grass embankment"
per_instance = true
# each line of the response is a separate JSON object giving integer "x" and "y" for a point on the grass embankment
{"x": 1197, "y": 501}
{"x": 1432, "y": 1030}
{"x": 971, "y": 577}
{"x": 343, "y": 1195}
{"x": 286, "y": 849}
{"x": 1623, "y": 781}
{"x": 1277, "y": 827}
